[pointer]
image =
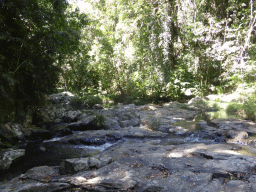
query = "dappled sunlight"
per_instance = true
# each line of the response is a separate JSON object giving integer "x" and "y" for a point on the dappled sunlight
{"x": 186, "y": 152}
{"x": 94, "y": 180}
{"x": 226, "y": 149}
{"x": 158, "y": 113}
{"x": 145, "y": 127}
{"x": 227, "y": 152}
{"x": 151, "y": 107}
{"x": 214, "y": 149}
{"x": 67, "y": 93}
{"x": 178, "y": 118}
{"x": 127, "y": 175}
{"x": 82, "y": 180}
{"x": 176, "y": 154}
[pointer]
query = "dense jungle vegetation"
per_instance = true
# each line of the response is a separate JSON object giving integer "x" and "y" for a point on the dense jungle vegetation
{"x": 123, "y": 50}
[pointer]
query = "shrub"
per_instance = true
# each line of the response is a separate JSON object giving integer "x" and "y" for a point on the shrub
{"x": 88, "y": 100}
{"x": 184, "y": 106}
{"x": 91, "y": 100}
{"x": 77, "y": 102}
{"x": 233, "y": 108}
{"x": 99, "y": 120}
{"x": 140, "y": 101}
{"x": 153, "y": 123}
{"x": 250, "y": 109}
{"x": 216, "y": 106}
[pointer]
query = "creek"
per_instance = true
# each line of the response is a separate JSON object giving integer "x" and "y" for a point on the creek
{"x": 51, "y": 152}
{"x": 81, "y": 144}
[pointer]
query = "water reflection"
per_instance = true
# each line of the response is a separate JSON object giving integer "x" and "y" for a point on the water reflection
{"x": 208, "y": 116}
{"x": 221, "y": 114}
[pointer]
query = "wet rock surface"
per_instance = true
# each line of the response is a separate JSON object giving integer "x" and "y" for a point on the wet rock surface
{"x": 139, "y": 148}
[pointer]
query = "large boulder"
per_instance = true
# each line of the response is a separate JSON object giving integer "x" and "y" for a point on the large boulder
{"x": 128, "y": 117}
{"x": 71, "y": 116}
{"x": 42, "y": 173}
{"x": 11, "y": 132}
{"x": 63, "y": 97}
{"x": 11, "y": 156}
{"x": 197, "y": 103}
{"x": 29, "y": 185}
{"x": 89, "y": 123}
{"x": 71, "y": 166}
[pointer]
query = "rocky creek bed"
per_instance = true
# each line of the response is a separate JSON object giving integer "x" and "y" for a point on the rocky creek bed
{"x": 138, "y": 148}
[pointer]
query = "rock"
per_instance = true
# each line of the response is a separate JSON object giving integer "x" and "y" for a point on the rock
{"x": 178, "y": 130}
{"x": 141, "y": 166}
{"x": 63, "y": 97}
{"x": 252, "y": 182}
{"x": 112, "y": 123}
{"x": 239, "y": 137}
{"x": 92, "y": 141}
{"x": 128, "y": 113}
{"x": 202, "y": 124}
{"x": 10, "y": 157}
{"x": 125, "y": 155}
{"x": 197, "y": 102}
{"x": 232, "y": 164}
{"x": 242, "y": 135}
{"x": 34, "y": 147}
{"x": 121, "y": 178}
{"x": 173, "y": 104}
{"x": 11, "y": 132}
{"x": 57, "y": 121}
{"x": 97, "y": 106}
{"x": 130, "y": 123}
{"x": 60, "y": 113}
{"x": 234, "y": 130}
{"x": 72, "y": 116}
{"x": 63, "y": 132}
{"x": 146, "y": 108}
{"x": 17, "y": 128}
{"x": 252, "y": 143}
{"x": 20, "y": 185}
{"x": 99, "y": 161}
{"x": 71, "y": 166}
{"x": 236, "y": 185}
{"x": 42, "y": 173}
{"x": 85, "y": 124}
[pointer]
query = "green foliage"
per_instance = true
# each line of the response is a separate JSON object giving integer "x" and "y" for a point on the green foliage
{"x": 138, "y": 51}
{"x": 154, "y": 123}
{"x": 140, "y": 101}
{"x": 77, "y": 102}
{"x": 184, "y": 106}
{"x": 86, "y": 101}
{"x": 99, "y": 120}
{"x": 34, "y": 35}
{"x": 216, "y": 106}
{"x": 154, "y": 50}
{"x": 233, "y": 108}
{"x": 249, "y": 107}
{"x": 91, "y": 100}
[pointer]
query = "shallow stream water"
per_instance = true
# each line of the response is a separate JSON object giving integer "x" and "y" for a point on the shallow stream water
{"x": 54, "y": 151}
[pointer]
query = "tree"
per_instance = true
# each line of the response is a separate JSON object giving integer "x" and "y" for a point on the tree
{"x": 160, "y": 48}
{"x": 34, "y": 34}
